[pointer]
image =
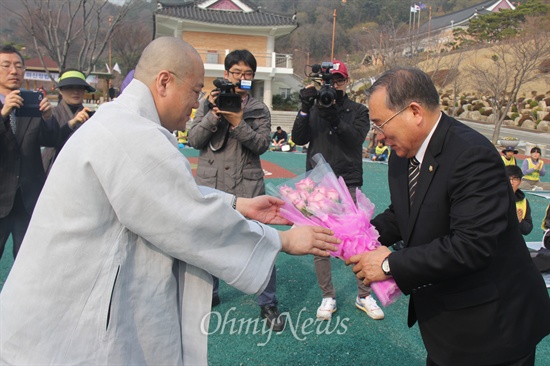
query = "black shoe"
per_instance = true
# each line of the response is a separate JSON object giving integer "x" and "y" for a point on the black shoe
{"x": 272, "y": 317}
{"x": 215, "y": 300}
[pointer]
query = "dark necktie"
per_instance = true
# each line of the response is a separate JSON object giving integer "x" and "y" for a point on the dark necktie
{"x": 414, "y": 171}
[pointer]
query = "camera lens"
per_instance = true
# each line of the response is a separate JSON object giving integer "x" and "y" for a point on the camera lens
{"x": 327, "y": 96}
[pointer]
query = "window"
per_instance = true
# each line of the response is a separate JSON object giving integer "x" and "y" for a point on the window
{"x": 211, "y": 57}
{"x": 285, "y": 92}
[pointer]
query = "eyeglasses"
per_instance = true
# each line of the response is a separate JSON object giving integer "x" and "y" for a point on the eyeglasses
{"x": 8, "y": 66}
{"x": 339, "y": 82}
{"x": 515, "y": 179}
{"x": 199, "y": 93}
{"x": 380, "y": 129}
{"x": 238, "y": 74}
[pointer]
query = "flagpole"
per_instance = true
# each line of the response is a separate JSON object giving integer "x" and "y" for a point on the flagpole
{"x": 333, "y": 32}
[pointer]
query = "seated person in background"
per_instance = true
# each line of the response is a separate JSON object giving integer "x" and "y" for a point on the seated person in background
{"x": 280, "y": 137}
{"x": 533, "y": 169}
{"x": 69, "y": 112}
{"x": 381, "y": 151}
{"x": 371, "y": 136}
{"x": 182, "y": 138}
{"x": 522, "y": 205}
{"x": 508, "y": 156}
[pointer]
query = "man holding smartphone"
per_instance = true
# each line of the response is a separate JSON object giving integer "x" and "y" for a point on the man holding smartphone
{"x": 21, "y": 172}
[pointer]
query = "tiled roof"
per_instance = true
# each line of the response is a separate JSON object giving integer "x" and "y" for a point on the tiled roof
{"x": 35, "y": 63}
{"x": 460, "y": 17}
{"x": 191, "y": 11}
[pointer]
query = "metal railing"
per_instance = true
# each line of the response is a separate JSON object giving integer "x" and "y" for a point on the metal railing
{"x": 265, "y": 59}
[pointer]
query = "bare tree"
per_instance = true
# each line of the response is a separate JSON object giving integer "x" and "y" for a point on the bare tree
{"x": 72, "y": 32}
{"x": 514, "y": 62}
{"x": 128, "y": 43}
{"x": 444, "y": 69}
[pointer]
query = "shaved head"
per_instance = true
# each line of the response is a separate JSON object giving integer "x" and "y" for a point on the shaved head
{"x": 165, "y": 53}
{"x": 174, "y": 73}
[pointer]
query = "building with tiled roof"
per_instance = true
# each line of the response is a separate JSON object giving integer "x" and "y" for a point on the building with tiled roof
{"x": 440, "y": 29}
{"x": 462, "y": 17}
{"x": 216, "y": 27}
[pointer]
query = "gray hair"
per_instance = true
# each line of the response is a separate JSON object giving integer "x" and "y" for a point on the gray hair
{"x": 405, "y": 85}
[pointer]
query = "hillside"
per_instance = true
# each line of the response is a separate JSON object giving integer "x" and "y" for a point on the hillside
{"x": 541, "y": 85}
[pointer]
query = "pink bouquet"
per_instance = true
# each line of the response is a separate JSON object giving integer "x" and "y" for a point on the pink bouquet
{"x": 319, "y": 198}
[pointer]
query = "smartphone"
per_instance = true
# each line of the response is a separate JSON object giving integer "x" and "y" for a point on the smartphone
{"x": 31, "y": 104}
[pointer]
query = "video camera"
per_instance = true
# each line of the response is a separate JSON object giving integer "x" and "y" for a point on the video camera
{"x": 321, "y": 73}
{"x": 228, "y": 100}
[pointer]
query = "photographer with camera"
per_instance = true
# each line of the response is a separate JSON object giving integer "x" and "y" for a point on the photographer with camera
{"x": 69, "y": 112}
{"x": 336, "y": 127}
{"x": 25, "y": 126}
{"x": 232, "y": 129}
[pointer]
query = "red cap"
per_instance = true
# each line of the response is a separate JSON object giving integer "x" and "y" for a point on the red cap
{"x": 339, "y": 68}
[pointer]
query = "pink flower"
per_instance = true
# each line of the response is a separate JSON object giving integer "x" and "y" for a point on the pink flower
{"x": 306, "y": 184}
{"x": 332, "y": 195}
{"x": 319, "y": 198}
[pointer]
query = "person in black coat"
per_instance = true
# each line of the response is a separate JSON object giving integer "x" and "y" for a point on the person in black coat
{"x": 474, "y": 290}
{"x": 337, "y": 131}
{"x": 21, "y": 136}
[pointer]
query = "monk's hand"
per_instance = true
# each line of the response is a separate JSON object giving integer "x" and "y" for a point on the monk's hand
{"x": 265, "y": 209}
{"x": 303, "y": 240}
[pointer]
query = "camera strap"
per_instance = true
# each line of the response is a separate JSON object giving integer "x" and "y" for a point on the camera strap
{"x": 220, "y": 137}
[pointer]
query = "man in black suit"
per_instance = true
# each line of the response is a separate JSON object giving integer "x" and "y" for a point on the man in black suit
{"x": 474, "y": 290}
{"x": 21, "y": 172}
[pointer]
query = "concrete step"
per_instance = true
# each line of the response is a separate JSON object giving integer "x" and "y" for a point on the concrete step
{"x": 284, "y": 119}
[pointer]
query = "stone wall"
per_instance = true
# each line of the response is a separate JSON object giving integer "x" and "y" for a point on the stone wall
{"x": 531, "y": 113}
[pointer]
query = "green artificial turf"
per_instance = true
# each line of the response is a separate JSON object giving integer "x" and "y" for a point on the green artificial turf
{"x": 237, "y": 337}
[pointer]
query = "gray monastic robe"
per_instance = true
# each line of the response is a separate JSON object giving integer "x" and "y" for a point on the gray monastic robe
{"x": 114, "y": 267}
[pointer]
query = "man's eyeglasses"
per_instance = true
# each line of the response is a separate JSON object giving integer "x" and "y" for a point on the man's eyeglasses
{"x": 339, "y": 82}
{"x": 199, "y": 93}
{"x": 238, "y": 74}
{"x": 7, "y": 66}
{"x": 515, "y": 179}
{"x": 380, "y": 129}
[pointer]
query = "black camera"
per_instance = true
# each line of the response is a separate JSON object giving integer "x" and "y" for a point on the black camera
{"x": 227, "y": 100}
{"x": 321, "y": 73}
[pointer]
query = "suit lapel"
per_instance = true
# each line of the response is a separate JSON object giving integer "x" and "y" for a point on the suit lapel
{"x": 10, "y": 138}
{"x": 428, "y": 170}
{"x": 23, "y": 124}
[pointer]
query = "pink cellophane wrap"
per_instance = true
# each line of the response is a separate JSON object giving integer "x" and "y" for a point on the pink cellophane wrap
{"x": 319, "y": 198}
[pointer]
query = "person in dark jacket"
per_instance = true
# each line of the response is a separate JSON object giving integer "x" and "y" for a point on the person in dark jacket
{"x": 338, "y": 133}
{"x": 522, "y": 204}
{"x": 21, "y": 136}
{"x": 70, "y": 112}
{"x": 474, "y": 289}
{"x": 230, "y": 145}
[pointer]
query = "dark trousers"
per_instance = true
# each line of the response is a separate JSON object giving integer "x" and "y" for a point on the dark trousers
{"x": 528, "y": 360}
{"x": 268, "y": 297}
{"x": 16, "y": 224}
